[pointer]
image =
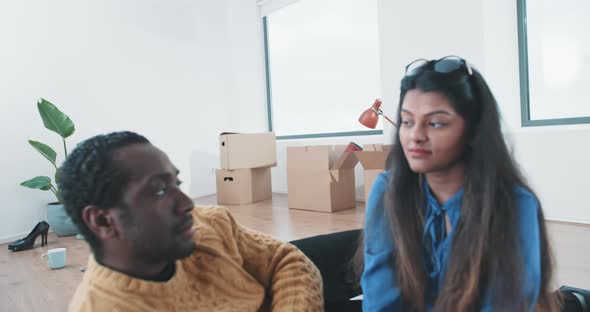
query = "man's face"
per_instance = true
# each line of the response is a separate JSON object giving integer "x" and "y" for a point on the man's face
{"x": 156, "y": 215}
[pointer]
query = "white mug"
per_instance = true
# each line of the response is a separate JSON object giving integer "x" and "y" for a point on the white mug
{"x": 56, "y": 258}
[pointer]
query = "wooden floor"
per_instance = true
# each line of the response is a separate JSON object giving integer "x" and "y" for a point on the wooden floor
{"x": 27, "y": 284}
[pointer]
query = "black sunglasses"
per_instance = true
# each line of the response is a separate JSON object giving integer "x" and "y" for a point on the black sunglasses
{"x": 445, "y": 65}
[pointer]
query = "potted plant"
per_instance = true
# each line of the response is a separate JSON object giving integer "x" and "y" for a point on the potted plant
{"x": 60, "y": 123}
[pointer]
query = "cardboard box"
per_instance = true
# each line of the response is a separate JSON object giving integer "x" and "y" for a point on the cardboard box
{"x": 247, "y": 150}
{"x": 243, "y": 186}
{"x": 321, "y": 178}
{"x": 373, "y": 158}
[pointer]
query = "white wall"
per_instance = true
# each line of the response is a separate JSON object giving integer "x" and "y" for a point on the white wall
{"x": 180, "y": 72}
{"x": 554, "y": 159}
{"x": 171, "y": 70}
{"x": 314, "y": 56}
{"x": 398, "y": 47}
{"x": 248, "y": 104}
{"x": 233, "y": 39}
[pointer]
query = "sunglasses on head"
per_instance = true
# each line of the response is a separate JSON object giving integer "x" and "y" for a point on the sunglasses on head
{"x": 445, "y": 65}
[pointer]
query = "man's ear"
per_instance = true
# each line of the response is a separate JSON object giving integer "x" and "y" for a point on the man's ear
{"x": 101, "y": 221}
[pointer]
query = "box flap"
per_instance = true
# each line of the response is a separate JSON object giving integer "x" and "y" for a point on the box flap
{"x": 335, "y": 154}
{"x": 377, "y": 147}
{"x": 373, "y": 156}
{"x": 343, "y": 191}
{"x": 345, "y": 159}
{"x": 369, "y": 147}
{"x": 372, "y": 160}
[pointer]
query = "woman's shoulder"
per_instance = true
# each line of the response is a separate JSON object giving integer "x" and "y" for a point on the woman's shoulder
{"x": 527, "y": 202}
{"x": 383, "y": 178}
{"x": 379, "y": 188}
{"x": 524, "y": 194}
{"x": 377, "y": 230}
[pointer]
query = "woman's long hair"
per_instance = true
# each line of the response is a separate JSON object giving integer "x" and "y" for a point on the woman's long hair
{"x": 485, "y": 255}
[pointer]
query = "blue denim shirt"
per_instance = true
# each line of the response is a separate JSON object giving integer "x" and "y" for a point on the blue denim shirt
{"x": 380, "y": 290}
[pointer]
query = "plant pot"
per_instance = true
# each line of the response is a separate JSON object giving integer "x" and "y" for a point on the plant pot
{"x": 60, "y": 222}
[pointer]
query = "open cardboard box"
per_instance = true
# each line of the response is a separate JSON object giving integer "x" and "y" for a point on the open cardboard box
{"x": 373, "y": 158}
{"x": 247, "y": 150}
{"x": 243, "y": 186}
{"x": 321, "y": 178}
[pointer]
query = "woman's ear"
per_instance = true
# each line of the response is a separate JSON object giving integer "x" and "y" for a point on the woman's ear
{"x": 101, "y": 221}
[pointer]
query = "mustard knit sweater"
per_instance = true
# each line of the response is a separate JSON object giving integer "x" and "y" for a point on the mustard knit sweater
{"x": 233, "y": 269}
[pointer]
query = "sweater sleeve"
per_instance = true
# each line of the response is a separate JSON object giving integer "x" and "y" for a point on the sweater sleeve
{"x": 380, "y": 290}
{"x": 291, "y": 280}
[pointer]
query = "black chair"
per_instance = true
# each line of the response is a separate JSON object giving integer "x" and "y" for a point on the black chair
{"x": 332, "y": 254}
{"x": 575, "y": 299}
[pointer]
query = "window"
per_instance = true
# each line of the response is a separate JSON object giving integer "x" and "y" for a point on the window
{"x": 322, "y": 67}
{"x": 554, "y": 62}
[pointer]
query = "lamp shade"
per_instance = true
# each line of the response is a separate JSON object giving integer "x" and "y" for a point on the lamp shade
{"x": 370, "y": 117}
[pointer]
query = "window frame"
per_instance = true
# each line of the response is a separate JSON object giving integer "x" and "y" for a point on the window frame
{"x": 270, "y": 109}
{"x": 523, "y": 60}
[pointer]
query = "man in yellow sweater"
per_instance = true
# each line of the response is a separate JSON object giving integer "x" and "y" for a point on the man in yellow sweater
{"x": 154, "y": 251}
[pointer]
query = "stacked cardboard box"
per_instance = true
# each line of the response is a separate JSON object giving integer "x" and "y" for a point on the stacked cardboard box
{"x": 321, "y": 178}
{"x": 373, "y": 158}
{"x": 246, "y": 160}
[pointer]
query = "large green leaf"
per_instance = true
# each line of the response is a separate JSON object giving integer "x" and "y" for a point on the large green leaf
{"x": 54, "y": 119}
{"x": 40, "y": 182}
{"x": 45, "y": 150}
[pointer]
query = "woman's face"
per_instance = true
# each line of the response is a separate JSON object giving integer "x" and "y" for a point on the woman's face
{"x": 431, "y": 132}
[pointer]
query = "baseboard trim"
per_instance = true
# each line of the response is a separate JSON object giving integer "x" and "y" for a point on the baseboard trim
{"x": 8, "y": 239}
{"x": 587, "y": 225}
{"x": 11, "y": 238}
{"x": 195, "y": 197}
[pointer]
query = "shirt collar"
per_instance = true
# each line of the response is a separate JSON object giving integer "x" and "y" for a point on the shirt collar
{"x": 452, "y": 204}
{"x": 435, "y": 230}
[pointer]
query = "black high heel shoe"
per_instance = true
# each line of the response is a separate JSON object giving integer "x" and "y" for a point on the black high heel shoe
{"x": 28, "y": 242}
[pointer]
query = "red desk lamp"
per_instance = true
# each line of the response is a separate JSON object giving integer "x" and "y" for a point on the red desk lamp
{"x": 370, "y": 117}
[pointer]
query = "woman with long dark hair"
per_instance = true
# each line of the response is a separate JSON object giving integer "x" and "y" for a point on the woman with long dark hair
{"x": 452, "y": 225}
